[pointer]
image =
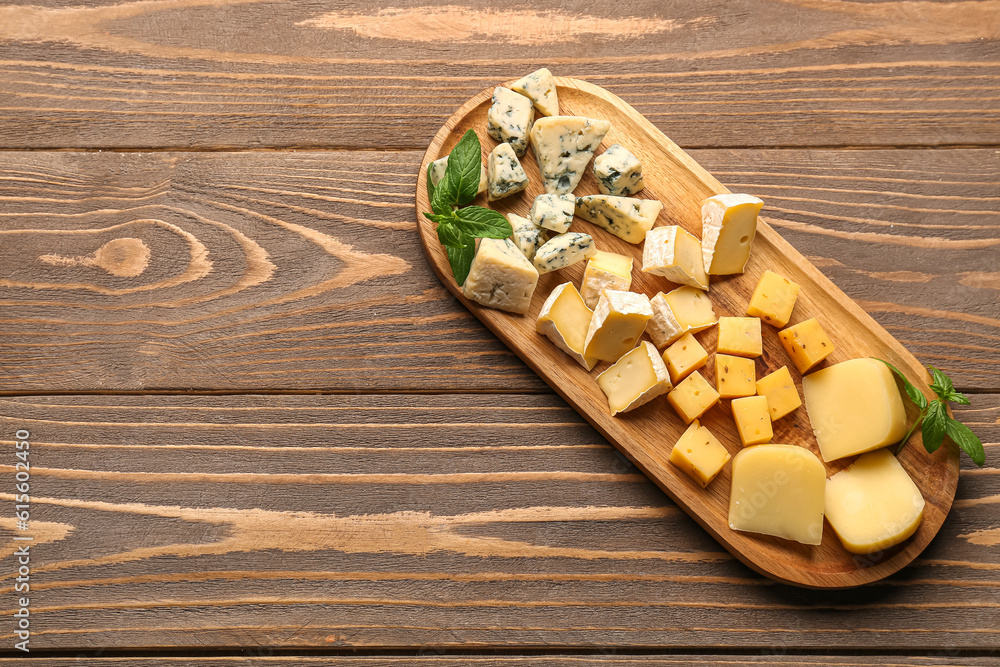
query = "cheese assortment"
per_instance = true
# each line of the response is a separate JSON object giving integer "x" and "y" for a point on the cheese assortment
{"x": 625, "y": 217}
{"x": 504, "y": 173}
{"x": 618, "y": 172}
{"x": 510, "y": 118}
{"x": 554, "y": 212}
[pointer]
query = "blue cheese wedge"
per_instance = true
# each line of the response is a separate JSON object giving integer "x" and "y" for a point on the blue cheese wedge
{"x": 625, "y": 217}
{"x": 564, "y": 318}
{"x": 618, "y": 172}
{"x": 728, "y": 225}
{"x": 509, "y": 119}
{"x": 563, "y": 146}
{"x": 676, "y": 255}
{"x": 635, "y": 379}
{"x": 500, "y": 277}
{"x": 553, "y": 212}
{"x": 564, "y": 250}
{"x": 435, "y": 170}
{"x": 527, "y": 237}
{"x": 540, "y": 88}
{"x": 504, "y": 173}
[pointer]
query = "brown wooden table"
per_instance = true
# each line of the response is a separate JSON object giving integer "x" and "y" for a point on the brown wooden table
{"x": 262, "y": 431}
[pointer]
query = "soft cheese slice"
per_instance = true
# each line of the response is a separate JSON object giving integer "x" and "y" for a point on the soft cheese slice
{"x": 509, "y": 119}
{"x": 729, "y": 223}
{"x": 619, "y": 319}
{"x": 618, "y": 172}
{"x": 564, "y": 318}
{"x": 540, "y": 88}
{"x": 635, "y": 379}
{"x": 527, "y": 237}
{"x": 699, "y": 454}
{"x": 504, "y": 173}
{"x": 605, "y": 270}
{"x": 563, "y": 146}
{"x": 553, "y": 212}
{"x": 854, "y": 407}
{"x": 873, "y": 504}
{"x": 625, "y": 217}
{"x": 676, "y": 255}
{"x": 677, "y": 312}
{"x": 564, "y": 250}
{"x": 778, "y": 490}
{"x": 435, "y": 170}
{"x": 501, "y": 277}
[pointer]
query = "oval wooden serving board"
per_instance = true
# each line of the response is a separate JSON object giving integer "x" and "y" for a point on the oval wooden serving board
{"x": 647, "y": 434}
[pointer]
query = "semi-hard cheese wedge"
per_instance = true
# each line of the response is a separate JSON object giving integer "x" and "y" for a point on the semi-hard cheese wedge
{"x": 619, "y": 319}
{"x": 854, "y": 407}
{"x": 504, "y": 173}
{"x": 540, "y": 88}
{"x": 635, "y": 379}
{"x": 436, "y": 169}
{"x": 625, "y": 217}
{"x": 873, "y": 504}
{"x": 774, "y": 299}
{"x": 740, "y": 336}
{"x": 684, "y": 357}
{"x": 782, "y": 396}
{"x": 605, "y": 270}
{"x": 674, "y": 254}
{"x": 693, "y": 397}
{"x": 753, "y": 422}
{"x": 563, "y": 250}
{"x": 563, "y": 146}
{"x": 618, "y": 172}
{"x": 806, "y": 343}
{"x": 728, "y": 225}
{"x": 564, "y": 318}
{"x": 553, "y": 212}
{"x": 501, "y": 277}
{"x": 678, "y": 312}
{"x": 527, "y": 237}
{"x": 778, "y": 490}
{"x": 735, "y": 376}
{"x": 699, "y": 454}
{"x": 509, "y": 119}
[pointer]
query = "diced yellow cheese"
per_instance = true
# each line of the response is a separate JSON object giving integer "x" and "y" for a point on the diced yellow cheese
{"x": 728, "y": 225}
{"x": 500, "y": 277}
{"x": 699, "y": 454}
{"x": 635, "y": 379}
{"x": 740, "y": 336}
{"x": 774, "y": 299}
{"x": 752, "y": 420}
{"x": 806, "y": 343}
{"x": 778, "y": 490}
{"x": 685, "y": 309}
{"x": 619, "y": 319}
{"x": 684, "y": 357}
{"x": 693, "y": 397}
{"x": 605, "y": 270}
{"x": 873, "y": 504}
{"x": 735, "y": 376}
{"x": 565, "y": 318}
{"x": 782, "y": 396}
{"x": 854, "y": 407}
{"x": 674, "y": 254}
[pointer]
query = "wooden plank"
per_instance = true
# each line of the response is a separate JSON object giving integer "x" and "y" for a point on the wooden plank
{"x": 133, "y": 74}
{"x": 425, "y": 521}
{"x": 265, "y": 658}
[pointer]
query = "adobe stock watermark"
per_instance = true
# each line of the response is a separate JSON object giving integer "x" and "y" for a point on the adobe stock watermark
{"x": 22, "y": 514}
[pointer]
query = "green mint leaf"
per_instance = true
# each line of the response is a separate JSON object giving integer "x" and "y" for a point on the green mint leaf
{"x": 483, "y": 223}
{"x": 958, "y": 397}
{"x": 465, "y": 162}
{"x": 450, "y": 235}
{"x": 942, "y": 385}
{"x": 434, "y": 217}
{"x": 430, "y": 184}
{"x": 934, "y": 425}
{"x": 967, "y": 440}
{"x": 915, "y": 394}
{"x": 445, "y": 194}
{"x": 461, "y": 258}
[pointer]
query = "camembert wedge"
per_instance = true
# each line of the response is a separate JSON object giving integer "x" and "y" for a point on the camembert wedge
{"x": 563, "y": 146}
{"x": 728, "y": 225}
{"x": 619, "y": 319}
{"x": 501, "y": 277}
{"x": 676, "y": 255}
{"x": 625, "y": 217}
{"x": 635, "y": 379}
{"x": 565, "y": 318}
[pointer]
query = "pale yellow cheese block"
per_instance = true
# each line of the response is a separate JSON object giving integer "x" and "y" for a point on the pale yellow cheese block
{"x": 619, "y": 319}
{"x": 635, "y": 379}
{"x": 565, "y": 318}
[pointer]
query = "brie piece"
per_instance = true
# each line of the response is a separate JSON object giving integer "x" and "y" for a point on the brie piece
{"x": 677, "y": 312}
{"x": 676, "y": 255}
{"x": 605, "y": 270}
{"x": 619, "y": 319}
{"x": 564, "y": 318}
{"x": 635, "y": 379}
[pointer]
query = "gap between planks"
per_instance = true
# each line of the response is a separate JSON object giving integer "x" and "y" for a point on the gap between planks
{"x": 401, "y": 148}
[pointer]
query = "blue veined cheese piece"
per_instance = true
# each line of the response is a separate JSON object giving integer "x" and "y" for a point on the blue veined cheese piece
{"x": 625, "y": 217}
{"x": 553, "y": 212}
{"x": 500, "y": 277}
{"x": 618, "y": 172}
{"x": 527, "y": 237}
{"x": 504, "y": 174}
{"x": 564, "y": 250}
{"x": 509, "y": 119}
{"x": 540, "y": 88}
{"x": 435, "y": 170}
{"x": 563, "y": 146}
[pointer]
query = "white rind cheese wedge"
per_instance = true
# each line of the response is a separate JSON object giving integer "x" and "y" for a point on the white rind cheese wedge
{"x": 504, "y": 173}
{"x": 678, "y": 312}
{"x": 564, "y": 318}
{"x": 625, "y": 217}
{"x": 728, "y": 225}
{"x": 500, "y": 277}
{"x": 564, "y": 250}
{"x": 635, "y": 379}
{"x": 676, "y": 255}
{"x": 527, "y": 237}
{"x": 605, "y": 270}
{"x": 563, "y": 146}
{"x": 619, "y": 319}
{"x": 618, "y": 172}
{"x": 540, "y": 88}
{"x": 553, "y": 212}
{"x": 436, "y": 172}
{"x": 509, "y": 119}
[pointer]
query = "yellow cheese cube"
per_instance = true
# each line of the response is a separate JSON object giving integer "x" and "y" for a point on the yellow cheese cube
{"x": 685, "y": 356}
{"x": 699, "y": 454}
{"x": 806, "y": 343}
{"x": 752, "y": 420}
{"x": 728, "y": 225}
{"x": 873, "y": 504}
{"x": 854, "y": 407}
{"x": 635, "y": 379}
{"x": 693, "y": 397}
{"x": 565, "y": 318}
{"x": 735, "y": 376}
{"x": 619, "y": 319}
{"x": 782, "y": 396}
{"x": 678, "y": 312}
{"x": 778, "y": 490}
{"x": 740, "y": 336}
{"x": 774, "y": 299}
{"x": 605, "y": 270}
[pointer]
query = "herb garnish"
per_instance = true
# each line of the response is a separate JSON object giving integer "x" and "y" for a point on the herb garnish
{"x": 458, "y": 228}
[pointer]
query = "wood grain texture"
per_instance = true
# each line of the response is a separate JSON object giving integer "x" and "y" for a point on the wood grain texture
{"x": 201, "y": 73}
{"x": 263, "y": 658}
{"x": 427, "y": 521}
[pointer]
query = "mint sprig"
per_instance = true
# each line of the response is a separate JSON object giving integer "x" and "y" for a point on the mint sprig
{"x": 459, "y": 225}
{"x": 934, "y": 416}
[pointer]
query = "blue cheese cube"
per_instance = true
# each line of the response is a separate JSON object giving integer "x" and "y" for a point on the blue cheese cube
{"x": 435, "y": 171}
{"x": 625, "y": 217}
{"x": 540, "y": 88}
{"x": 527, "y": 237}
{"x": 504, "y": 173}
{"x": 500, "y": 277}
{"x": 564, "y": 250}
{"x": 563, "y": 146}
{"x": 553, "y": 212}
{"x": 509, "y": 119}
{"x": 618, "y": 172}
